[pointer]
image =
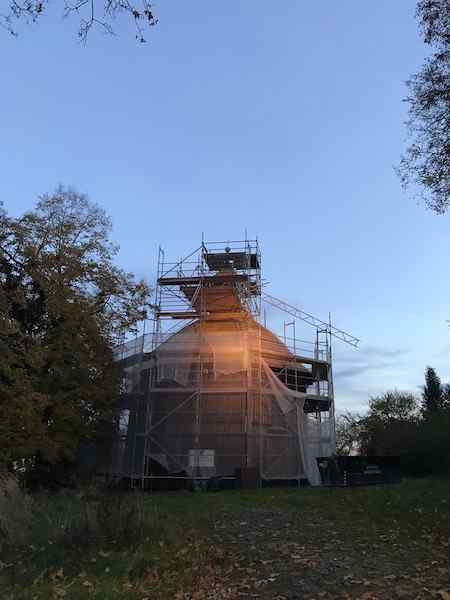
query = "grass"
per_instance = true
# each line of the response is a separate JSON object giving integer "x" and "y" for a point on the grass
{"x": 159, "y": 546}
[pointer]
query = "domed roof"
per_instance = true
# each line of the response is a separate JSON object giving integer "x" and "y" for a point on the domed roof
{"x": 231, "y": 335}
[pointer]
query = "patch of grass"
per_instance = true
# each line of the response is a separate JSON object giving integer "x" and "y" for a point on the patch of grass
{"x": 157, "y": 546}
{"x": 410, "y": 506}
{"x": 68, "y": 519}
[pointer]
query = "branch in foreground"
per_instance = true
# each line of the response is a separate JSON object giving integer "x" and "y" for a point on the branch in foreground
{"x": 91, "y": 14}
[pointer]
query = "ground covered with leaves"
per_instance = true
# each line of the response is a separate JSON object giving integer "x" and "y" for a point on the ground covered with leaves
{"x": 383, "y": 542}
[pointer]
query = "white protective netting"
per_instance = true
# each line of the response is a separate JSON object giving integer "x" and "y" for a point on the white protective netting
{"x": 215, "y": 392}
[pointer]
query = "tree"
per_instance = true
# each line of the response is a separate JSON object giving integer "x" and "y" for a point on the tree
{"x": 446, "y": 397}
{"x": 390, "y": 418}
{"x": 348, "y": 433}
{"x": 22, "y": 406}
{"x": 426, "y": 163}
{"x": 389, "y": 422}
{"x": 395, "y": 426}
{"x": 65, "y": 304}
{"x": 393, "y": 406}
{"x": 91, "y": 13}
{"x": 432, "y": 397}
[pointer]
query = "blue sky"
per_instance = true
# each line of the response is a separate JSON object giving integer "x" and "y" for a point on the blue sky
{"x": 284, "y": 119}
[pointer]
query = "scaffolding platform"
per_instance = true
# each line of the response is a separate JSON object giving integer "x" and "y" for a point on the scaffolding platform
{"x": 211, "y": 391}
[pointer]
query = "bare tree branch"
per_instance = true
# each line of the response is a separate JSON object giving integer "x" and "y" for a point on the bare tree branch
{"x": 91, "y": 14}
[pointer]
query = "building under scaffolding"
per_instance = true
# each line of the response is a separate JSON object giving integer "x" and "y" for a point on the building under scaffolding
{"x": 211, "y": 393}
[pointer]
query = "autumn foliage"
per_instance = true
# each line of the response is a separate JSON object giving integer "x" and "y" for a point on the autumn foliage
{"x": 64, "y": 304}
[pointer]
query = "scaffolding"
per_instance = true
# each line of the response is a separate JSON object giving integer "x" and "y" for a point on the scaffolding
{"x": 210, "y": 392}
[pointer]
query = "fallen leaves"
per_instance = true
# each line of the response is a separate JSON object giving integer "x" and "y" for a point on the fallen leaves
{"x": 261, "y": 553}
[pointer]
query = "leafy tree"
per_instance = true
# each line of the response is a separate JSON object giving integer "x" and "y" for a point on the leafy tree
{"x": 390, "y": 420}
{"x": 446, "y": 397}
{"x": 21, "y": 422}
{"x": 395, "y": 426}
{"x": 432, "y": 397}
{"x": 426, "y": 163}
{"x": 429, "y": 450}
{"x": 91, "y": 13}
{"x": 65, "y": 304}
{"x": 393, "y": 405}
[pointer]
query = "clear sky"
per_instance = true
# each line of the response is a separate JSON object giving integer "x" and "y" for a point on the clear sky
{"x": 282, "y": 118}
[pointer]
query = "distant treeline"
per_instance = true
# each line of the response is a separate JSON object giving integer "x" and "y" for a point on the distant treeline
{"x": 399, "y": 423}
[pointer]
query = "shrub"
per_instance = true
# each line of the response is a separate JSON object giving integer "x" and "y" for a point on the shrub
{"x": 68, "y": 518}
{"x": 16, "y": 513}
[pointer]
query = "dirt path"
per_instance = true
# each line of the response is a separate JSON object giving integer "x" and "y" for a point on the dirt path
{"x": 286, "y": 556}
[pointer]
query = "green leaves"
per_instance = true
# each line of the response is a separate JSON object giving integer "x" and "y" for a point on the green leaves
{"x": 64, "y": 304}
{"x": 433, "y": 393}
